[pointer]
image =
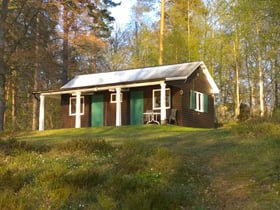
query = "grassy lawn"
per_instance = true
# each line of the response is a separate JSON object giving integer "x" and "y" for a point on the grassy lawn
{"x": 142, "y": 167}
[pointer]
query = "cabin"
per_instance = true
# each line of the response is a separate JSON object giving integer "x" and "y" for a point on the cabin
{"x": 181, "y": 94}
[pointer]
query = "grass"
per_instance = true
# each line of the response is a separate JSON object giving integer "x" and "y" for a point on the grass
{"x": 142, "y": 167}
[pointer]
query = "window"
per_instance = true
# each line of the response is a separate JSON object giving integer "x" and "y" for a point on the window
{"x": 156, "y": 98}
{"x": 198, "y": 101}
{"x": 72, "y": 106}
{"x": 114, "y": 97}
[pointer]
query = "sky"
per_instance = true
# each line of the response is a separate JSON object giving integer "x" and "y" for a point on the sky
{"x": 122, "y": 13}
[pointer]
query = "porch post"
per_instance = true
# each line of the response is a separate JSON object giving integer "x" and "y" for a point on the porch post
{"x": 163, "y": 103}
{"x": 78, "y": 110}
{"x": 118, "y": 107}
{"x": 42, "y": 113}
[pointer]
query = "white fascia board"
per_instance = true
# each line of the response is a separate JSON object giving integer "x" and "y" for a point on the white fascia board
{"x": 96, "y": 89}
{"x": 176, "y": 78}
{"x": 210, "y": 79}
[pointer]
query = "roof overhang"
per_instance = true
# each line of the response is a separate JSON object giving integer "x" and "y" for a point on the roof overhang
{"x": 95, "y": 87}
{"x": 98, "y": 88}
{"x": 210, "y": 79}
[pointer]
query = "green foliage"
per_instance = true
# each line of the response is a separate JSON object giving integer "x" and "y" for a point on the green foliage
{"x": 276, "y": 115}
{"x": 87, "y": 145}
{"x": 11, "y": 146}
{"x": 90, "y": 173}
{"x": 257, "y": 128}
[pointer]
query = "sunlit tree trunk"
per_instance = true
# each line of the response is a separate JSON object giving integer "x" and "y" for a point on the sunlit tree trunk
{"x": 161, "y": 36}
{"x": 65, "y": 46}
{"x": 189, "y": 31}
{"x": 236, "y": 79}
{"x": 236, "y": 61}
{"x": 261, "y": 83}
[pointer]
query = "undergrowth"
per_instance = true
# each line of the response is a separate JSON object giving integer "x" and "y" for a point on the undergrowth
{"x": 257, "y": 128}
{"x": 93, "y": 174}
{"x": 151, "y": 168}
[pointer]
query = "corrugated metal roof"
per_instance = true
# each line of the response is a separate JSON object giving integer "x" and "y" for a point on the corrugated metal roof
{"x": 135, "y": 75}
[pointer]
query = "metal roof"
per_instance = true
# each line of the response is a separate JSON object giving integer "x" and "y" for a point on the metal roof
{"x": 167, "y": 72}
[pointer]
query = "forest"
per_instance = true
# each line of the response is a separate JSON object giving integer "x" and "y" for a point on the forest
{"x": 44, "y": 43}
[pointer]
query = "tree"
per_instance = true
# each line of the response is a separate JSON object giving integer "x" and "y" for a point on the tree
{"x": 118, "y": 51}
{"x": 33, "y": 50}
{"x": 3, "y": 66}
{"x": 161, "y": 34}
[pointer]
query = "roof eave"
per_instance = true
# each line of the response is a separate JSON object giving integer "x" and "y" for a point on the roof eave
{"x": 100, "y": 88}
{"x": 175, "y": 78}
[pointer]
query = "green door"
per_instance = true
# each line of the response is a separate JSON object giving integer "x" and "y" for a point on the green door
{"x": 97, "y": 110}
{"x": 136, "y": 107}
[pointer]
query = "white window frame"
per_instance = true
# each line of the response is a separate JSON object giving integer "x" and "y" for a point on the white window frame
{"x": 72, "y": 100}
{"x": 156, "y": 101}
{"x": 199, "y": 101}
{"x": 113, "y": 98}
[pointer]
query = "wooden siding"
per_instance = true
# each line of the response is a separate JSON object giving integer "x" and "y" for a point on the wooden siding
{"x": 180, "y": 100}
{"x": 198, "y": 82}
{"x": 68, "y": 121}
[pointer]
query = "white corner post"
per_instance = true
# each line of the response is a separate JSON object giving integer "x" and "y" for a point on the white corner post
{"x": 42, "y": 113}
{"x": 78, "y": 110}
{"x": 163, "y": 103}
{"x": 118, "y": 107}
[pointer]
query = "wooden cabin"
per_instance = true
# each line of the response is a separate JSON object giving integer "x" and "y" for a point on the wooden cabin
{"x": 181, "y": 94}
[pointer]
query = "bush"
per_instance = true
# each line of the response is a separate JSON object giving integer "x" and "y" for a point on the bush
{"x": 12, "y": 145}
{"x": 276, "y": 115}
{"x": 256, "y": 128}
{"x": 244, "y": 112}
{"x": 87, "y": 145}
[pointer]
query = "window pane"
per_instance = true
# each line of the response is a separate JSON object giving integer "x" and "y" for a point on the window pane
{"x": 82, "y": 105}
{"x": 205, "y": 99}
{"x": 72, "y": 105}
{"x": 167, "y": 98}
{"x": 199, "y": 101}
{"x": 157, "y": 98}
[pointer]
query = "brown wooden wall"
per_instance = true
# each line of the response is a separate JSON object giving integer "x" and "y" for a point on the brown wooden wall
{"x": 68, "y": 121}
{"x": 180, "y": 100}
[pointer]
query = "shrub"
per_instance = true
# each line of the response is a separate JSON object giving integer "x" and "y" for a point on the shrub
{"x": 257, "y": 129}
{"x": 276, "y": 115}
{"x": 12, "y": 145}
{"x": 132, "y": 157}
{"x": 87, "y": 145}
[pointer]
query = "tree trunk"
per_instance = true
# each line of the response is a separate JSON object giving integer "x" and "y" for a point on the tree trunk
{"x": 65, "y": 50}
{"x": 189, "y": 32}
{"x": 161, "y": 34}
{"x": 236, "y": 81}
{"x": 3, "y": 67}
{"x": 13, "y": 104}
{"x": 35, "y": 105}
{"x": 261, "y": 84}
{"x": 276, "y": 84}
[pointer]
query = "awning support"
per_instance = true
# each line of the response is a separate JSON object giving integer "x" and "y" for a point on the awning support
{"x": 163, "y": 103}
{"x": 118, "y": 107}
{"x": 78, "y": 110}
{"x": 42, "y": 113}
